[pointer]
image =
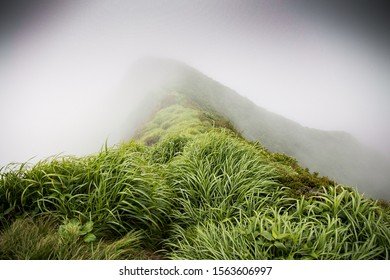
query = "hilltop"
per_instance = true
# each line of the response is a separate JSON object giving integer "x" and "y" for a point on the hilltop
{"x": 188, "y": 185}
{"x": 335, "y": 154}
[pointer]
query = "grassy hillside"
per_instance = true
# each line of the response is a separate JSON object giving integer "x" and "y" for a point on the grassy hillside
{"x": 188, "y": 186}
{"x": 334, "y": 154}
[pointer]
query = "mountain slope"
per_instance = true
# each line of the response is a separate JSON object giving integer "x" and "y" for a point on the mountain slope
{"x": 188, "y": 186}
{"x": 334, "y": 154}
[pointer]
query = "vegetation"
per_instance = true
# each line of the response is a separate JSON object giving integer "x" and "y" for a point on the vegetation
{"x": 187, "y": 187}
{"x": 335, "y": 154}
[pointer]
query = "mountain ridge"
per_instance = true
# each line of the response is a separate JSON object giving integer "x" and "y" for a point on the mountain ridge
{"x": 188, "y": 186}
{"x": 335, "y": 154}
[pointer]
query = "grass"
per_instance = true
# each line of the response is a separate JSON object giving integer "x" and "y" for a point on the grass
{"x": 306, "y": 230}
{"x": 188, "y": 187}
{"x": 220, "y": 176}
{"x": 42, "y": 238}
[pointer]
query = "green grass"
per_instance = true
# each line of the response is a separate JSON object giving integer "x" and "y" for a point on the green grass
{"x": 188, "y": 187}
{"x": 43, "y": 238}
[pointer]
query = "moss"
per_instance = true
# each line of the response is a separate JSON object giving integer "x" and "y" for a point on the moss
{"x": 298, "y": 180}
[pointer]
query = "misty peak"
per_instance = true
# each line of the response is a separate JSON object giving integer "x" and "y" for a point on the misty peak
{"x": 336, "y": 154}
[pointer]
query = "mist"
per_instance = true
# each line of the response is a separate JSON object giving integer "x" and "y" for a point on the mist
{"x": 65, "y": 84}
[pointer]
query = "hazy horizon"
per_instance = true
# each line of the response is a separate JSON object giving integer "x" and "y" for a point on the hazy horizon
{"x": 64, "y": 65}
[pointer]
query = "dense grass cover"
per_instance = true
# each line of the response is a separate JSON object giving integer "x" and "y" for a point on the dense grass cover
{"x": 189, "y": 187}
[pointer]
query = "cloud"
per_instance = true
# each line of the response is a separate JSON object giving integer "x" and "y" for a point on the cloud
{"x": 63, "y": 69}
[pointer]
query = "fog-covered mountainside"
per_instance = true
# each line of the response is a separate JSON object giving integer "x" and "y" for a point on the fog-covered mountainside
{"x": 189, "y": 185}
{"x": 335, "y": 154}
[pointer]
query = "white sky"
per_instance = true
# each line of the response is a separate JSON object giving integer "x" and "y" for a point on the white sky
{"x": 59, "y": 74}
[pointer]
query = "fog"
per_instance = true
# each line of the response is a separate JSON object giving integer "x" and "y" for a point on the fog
{"x": 65, "y": 68}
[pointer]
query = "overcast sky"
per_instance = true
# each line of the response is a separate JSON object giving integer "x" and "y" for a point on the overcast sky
{"x": 325, "y": 66}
